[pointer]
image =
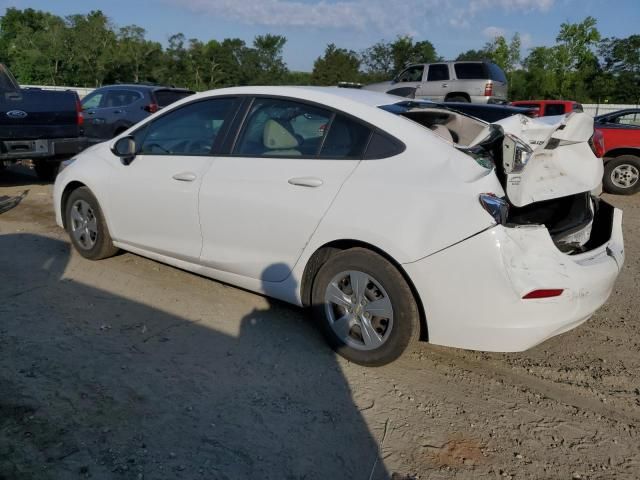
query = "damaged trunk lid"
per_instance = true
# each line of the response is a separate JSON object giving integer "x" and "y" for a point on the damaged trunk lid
{"x": 542, "y": 161}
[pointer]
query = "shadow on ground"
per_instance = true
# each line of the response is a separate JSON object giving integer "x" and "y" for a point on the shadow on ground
{"x": 96, "y": 385}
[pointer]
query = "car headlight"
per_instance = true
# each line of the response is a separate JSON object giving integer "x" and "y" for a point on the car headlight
{"x": 64, "y": 164}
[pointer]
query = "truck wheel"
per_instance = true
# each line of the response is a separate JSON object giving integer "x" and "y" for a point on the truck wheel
{"x": 46, "y": 170}
{"x": 365, "y": 307}
{"x": 457, "y": 98}
{"x": 87, "y": 227}
{"x": 622, "y": 175}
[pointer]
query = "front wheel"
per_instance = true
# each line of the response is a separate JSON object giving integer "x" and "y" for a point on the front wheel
{"x": 367, "y": 311}
{"x": 622, "y": 175}
{"x": 87, "y": 227}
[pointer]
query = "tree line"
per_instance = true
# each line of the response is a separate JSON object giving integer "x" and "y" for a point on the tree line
{"x": 90, "y": 51}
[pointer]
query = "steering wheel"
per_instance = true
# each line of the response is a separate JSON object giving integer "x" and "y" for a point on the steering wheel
{"x": 198, "y": 146}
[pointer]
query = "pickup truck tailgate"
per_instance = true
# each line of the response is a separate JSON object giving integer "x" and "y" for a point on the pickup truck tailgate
{"x": 36, "y": 114}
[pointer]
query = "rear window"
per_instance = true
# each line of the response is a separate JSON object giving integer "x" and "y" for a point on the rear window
{"x": 554, "y": 109}
{"x": 167, "y": 97}
{"x": 496, "y": 73}
{"x": 470, "y": 71}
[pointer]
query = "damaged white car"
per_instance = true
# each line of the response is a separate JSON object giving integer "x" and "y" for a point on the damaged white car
{"x": 393, "y": 220}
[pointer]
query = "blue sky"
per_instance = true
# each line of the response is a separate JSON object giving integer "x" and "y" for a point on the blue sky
{"x": 451, "y": 25}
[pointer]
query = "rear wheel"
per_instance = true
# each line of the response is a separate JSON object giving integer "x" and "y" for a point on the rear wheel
{"x": 46, "y": 171}
{"x": 622, "y": 175}
{"x": 86, "y": 226}
{"x": 367, "y": 311}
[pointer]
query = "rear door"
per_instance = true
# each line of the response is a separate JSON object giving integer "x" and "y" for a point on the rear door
{"x": 543, "y": 161}
{"x": 260, "y": 204}
{"x": 437, "y": 83}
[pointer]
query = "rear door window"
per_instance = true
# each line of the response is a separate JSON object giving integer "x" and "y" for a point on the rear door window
{"x": 552, "y": 109}
{"x": 282, "y": 128}
{"x": 167, "y": 97}
{"x": 438, "y": 73}
{"x": 470, "y": 71}
{"x": 347, "y": 138}
{"x": 120, "y": 98}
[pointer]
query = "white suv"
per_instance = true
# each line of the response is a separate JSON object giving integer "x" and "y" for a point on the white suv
{"x": 475, "y": 82}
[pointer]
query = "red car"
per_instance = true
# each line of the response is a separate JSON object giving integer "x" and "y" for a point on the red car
{"x": 621, "y": 134}
{"x": 548, "y": 108}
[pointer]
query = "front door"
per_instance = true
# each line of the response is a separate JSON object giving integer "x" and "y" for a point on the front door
{"x": 156, "y": 207}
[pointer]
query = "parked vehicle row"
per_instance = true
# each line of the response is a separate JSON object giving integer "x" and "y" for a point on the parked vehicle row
{"x": 393, "y": 219}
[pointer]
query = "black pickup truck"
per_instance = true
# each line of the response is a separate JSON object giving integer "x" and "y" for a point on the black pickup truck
{"x": 43, "y": 126}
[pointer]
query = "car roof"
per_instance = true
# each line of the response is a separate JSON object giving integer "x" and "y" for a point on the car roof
{"x": 311, "y": 93}
{"x": 362, "y": 104}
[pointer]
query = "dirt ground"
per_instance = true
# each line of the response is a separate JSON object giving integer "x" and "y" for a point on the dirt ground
{"x": 126, "y": 368}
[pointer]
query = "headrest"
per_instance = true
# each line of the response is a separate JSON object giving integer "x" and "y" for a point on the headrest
{"x": 277, "y": 137}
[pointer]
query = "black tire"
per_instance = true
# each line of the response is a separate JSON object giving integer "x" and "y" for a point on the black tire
{"x": 457, "y": 98}
{"x": 103, "y": 245}
{"x": 405, "y": 324}
{"x": 612, "y": 168}
{"x": 46, "y": 170}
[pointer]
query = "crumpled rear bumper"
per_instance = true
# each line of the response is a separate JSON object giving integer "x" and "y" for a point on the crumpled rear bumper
{"x": 472, "y": 292}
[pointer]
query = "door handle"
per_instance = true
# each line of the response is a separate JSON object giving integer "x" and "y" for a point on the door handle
{"x": 185, "y": 177}
{"x": 444, "y": 85}
{"x": 305, "y": 181}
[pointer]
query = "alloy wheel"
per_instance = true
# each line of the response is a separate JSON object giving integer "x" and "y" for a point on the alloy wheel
{"x": 84, "y": 225}
{"x": 359, "y": 310}
{"x": 625, "y": 175}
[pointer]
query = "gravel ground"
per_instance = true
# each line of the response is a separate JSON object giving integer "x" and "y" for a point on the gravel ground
{"x": 127, "y": 368}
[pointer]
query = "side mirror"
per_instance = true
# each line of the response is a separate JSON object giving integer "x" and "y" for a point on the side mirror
{"x": 125, "y": 148}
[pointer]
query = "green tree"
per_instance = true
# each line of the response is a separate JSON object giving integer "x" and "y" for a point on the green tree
{"x": 137, "y": 56}
{"x": 93, "y": 47}
{"x": 619, "y": 80}
{"x": 336, "y": 65}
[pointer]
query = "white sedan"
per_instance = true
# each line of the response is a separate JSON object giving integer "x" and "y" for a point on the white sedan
{"x": 395, "y": 220}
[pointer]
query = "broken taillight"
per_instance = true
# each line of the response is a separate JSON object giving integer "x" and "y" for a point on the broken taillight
{"x": 543, "y": 293}
{"x": 596, "y": 142}
{"x": 497, "y": 207}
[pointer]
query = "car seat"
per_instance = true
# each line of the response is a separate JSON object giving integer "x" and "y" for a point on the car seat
{"x": 279, "y": 141}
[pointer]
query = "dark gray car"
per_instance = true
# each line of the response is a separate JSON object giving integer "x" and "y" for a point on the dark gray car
{"x": 109, "y": 111}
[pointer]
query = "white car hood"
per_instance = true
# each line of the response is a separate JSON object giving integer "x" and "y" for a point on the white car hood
{"x": 560, "y": 161}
